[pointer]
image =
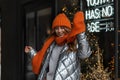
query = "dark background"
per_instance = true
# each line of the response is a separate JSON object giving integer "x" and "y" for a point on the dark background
{"x": 14, "y": 39}
{"x": 13, "y": 35}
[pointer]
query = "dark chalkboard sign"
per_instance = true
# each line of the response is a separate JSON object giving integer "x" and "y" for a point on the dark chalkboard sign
{"x": 99, "y": 15}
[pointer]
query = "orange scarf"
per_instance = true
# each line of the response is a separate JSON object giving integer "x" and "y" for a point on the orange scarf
{"x": 61, "y": 40}
{"x": 38, "y": 58}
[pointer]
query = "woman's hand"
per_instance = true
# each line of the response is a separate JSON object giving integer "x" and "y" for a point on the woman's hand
{"x": 28, "y": 49}
{"x": 78, "y": 25}
{"x": 78, "y": 22}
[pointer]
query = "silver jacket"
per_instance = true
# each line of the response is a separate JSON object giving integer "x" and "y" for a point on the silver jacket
{"x": 68, "y": 65}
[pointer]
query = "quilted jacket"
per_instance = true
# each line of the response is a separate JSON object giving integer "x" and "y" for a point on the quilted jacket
{"x": 68, "y": 65}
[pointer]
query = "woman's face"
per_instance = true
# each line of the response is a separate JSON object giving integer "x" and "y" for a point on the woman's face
{"x": 60, "y": 31}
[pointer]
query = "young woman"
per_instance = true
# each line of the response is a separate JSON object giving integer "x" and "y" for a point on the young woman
{"x": 59, "y": 57}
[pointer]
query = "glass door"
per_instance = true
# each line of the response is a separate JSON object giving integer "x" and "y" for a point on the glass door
{"x": 37, "y": 29}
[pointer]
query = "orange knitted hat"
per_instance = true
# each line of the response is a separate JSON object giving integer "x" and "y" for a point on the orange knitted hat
{"x": 61, "y": 20}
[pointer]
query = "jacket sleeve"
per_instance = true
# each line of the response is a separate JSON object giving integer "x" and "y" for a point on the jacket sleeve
{"x": 84, "y": 49}
{"x": 32, "y": 53}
